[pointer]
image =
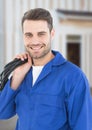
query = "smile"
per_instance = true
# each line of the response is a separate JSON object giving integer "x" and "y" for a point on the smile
{"x": 36, "y": 47}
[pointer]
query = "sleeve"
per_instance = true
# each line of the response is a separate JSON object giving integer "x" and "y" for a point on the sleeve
{"x": 7, "y": 102}
{"x": 79, "y": 105}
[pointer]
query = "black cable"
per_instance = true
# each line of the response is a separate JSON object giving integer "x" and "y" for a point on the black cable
{"x": 8, "y": 69}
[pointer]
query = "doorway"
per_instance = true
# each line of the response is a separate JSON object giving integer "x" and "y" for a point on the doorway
{"x": 74, "y": 49}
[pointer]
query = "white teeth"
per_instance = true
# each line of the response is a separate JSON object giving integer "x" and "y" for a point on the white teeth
{"x": 36, "y": 47}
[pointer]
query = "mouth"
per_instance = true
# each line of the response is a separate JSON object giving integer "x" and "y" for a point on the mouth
{"x": 36, "y": 47}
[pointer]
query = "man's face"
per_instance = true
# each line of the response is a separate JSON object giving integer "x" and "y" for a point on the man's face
{"x": 37, "y": 38}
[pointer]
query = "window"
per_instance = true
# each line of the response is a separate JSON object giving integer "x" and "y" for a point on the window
{"x": 74, "y": 49}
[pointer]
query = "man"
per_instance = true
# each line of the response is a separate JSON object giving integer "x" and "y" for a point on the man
{"x": 48, "y": 92}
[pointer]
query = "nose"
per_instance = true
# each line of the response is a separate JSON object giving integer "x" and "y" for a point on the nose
{"x": 35, "y": 40}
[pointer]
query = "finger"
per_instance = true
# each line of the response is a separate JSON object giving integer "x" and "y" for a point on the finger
{"x": 22, "y": 56}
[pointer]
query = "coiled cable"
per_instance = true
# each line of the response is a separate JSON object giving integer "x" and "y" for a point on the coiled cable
{"x": 8, "y": 70}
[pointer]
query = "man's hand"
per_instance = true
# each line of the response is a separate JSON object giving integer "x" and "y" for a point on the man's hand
{"x": 21, "y": 71}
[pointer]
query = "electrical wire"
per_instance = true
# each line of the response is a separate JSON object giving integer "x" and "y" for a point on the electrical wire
{"x": 8, "y": 69}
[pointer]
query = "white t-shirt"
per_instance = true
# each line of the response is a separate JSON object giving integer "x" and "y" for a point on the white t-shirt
{"x": 36, "y": 71}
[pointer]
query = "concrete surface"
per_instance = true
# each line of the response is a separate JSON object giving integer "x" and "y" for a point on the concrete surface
{"x": 8, "y": 124}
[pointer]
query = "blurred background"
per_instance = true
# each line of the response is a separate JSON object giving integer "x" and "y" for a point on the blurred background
{"x": 73, "y": 25}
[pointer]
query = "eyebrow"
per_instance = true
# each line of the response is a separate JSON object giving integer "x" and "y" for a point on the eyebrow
{"x": 42, "y": 32}
{"x": 29, "y": 33}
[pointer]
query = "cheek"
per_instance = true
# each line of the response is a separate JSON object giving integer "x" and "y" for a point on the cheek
{"x": 45, "y": 40}
{"x": 26, "y": 42}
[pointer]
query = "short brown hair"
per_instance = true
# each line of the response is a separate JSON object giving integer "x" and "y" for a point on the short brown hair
{"x": 38, "y": 14}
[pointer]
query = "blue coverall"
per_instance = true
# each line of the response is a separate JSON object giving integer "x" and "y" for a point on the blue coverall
{"x": 60, "y": 99}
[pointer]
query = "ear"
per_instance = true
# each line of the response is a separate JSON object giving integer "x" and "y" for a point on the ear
{"x": 52, "y": 33}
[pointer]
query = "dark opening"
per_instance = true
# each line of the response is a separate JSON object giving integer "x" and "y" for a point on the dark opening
{"x": 73, "y": 53}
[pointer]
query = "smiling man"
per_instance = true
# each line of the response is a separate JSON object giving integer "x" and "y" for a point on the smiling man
{"x": 37, "y": 38}
{"x": 48, "y": 92}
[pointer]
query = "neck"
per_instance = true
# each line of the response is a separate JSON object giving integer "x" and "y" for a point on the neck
{"x": 44, "y": 60}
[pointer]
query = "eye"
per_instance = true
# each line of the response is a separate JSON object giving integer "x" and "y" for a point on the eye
{"x": 28, "y": 35}
{"x": 41, "y": 34}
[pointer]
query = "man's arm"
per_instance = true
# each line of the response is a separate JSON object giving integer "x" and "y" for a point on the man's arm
{"x": 80, "y": 106}
{"x": 20, "y": 72}
{"x": 8, "y": 94}
{"x": 7, "y": 102}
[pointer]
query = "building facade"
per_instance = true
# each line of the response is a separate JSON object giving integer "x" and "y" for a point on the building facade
{"x": 66, "y": 30}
